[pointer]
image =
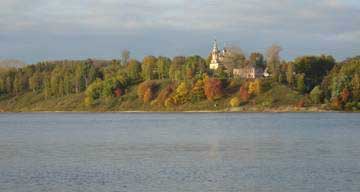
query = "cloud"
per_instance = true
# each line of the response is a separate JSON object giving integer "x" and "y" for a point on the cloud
{"x": 288, "y": 22}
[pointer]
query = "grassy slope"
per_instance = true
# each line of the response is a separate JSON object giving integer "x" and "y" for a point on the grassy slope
{"x": 279, "y": 96}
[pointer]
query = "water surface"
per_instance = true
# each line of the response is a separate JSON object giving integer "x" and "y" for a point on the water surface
{"x": 180, "y": 152}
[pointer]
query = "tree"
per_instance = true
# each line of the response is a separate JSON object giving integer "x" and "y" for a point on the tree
{"x": 197, "y": 91}
{"x": 108, "y": 87}
{"x": 164, "y": 94}
{"x": 194, "y": 66}
{"x": 314, "y": 69}
{"x": 79, "y": 78}
{"x": 234, "y": 57}
{"x": 316, "y": 95}
{"x": 147, "y": 89}
{"x": 290, "y": 73}
{"x": 181, "y": 94}
{"x": 8, "y": 85}
{"x": 47, "y": 86}
{"x": 89, "y": 72}
{"x": 355, "y": 86}
{"x": 148, "y": 68}
{"x": 176, "y": 68}
{"x": 2, "y": 86}
{"x": 273, "y": 60}
{"x": 125, "y": 56}
{"x": 18, "y": 87}
{"x": 213, "y": 88}
{"x": 134, "y": 69}
{"x": 190, "y": 68}
{"x": 300, "y": 83}
{"x": 244, "y": 94}
{"x": 93, "y": 92}
{"x": 345, "y": 95}
{"x": 163, "y": 65}
{"x": 257, "y": 60}
{"x": 35, "y": 82}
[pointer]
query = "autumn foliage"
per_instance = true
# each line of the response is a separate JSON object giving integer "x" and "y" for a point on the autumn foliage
{"x": 244, "y": 94}
{"x": 213, "y": 89}
{"x": 118, "y": 92}
{"x": 146, "y": 91}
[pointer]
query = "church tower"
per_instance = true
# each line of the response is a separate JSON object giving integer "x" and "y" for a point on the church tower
{"x": 215, "y": 57}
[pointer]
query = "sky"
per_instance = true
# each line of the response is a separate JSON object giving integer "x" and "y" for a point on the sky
{"x": 40, "y": 30}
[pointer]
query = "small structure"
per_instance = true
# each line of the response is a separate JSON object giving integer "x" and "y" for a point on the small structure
{"x": 248, "y": 72}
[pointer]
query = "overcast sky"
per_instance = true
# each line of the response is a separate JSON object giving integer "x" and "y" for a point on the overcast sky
{"x": 35, "y": 30}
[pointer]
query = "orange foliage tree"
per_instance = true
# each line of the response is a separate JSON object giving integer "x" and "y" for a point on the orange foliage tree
{"x": 165, "y": 94}
{"x": 244, "y": 94}
{"x": 146, "y": 91}
{"x": 213, "y": 88}
{"x": 345, "y": 94}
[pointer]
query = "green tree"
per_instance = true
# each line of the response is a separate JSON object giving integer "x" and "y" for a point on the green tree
{"x": 35, "y": 82}
{"x": 316, "y": 95}
{"x": 93, "y": 92}
{"x": 89, "y": 72}
{"x": 79, "y": 78}
{"x": 18, "y": 86}
{"x": 197, "y": 91}
{"x": 134, "y": 70}
{"x": 355, "y": 87}
{"x": 314, "y": 69}
{"x": 194, "y": 66}
{"x": 257, "y": 60}
{"x": 47, "y": 86}
{"x": 176, "y": 68}
{"x": 290, "y": 73}
{"x": 300, "y": 83}
{"x": 2, "y": 86}
{"x": 149, "y": 69}
{"x": 8, "y": 85}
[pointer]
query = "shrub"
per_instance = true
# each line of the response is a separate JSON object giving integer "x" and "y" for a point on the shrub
{"x": 181, "y": 94}
{"x": 148, "y": 89}
{"x": 345, "y": 94}
{"x": 255, "y": 87}
{"x": 118, "y": 92}
{"x": 93, "y": 92}
{"x": 235, "y": 102}
{"x": 244, "y": 95}
{"x": 336, "y": 103}
{"x": 164, "y": 94}
{"x": 316, "y": 95}
{"x": 148, "y": 96}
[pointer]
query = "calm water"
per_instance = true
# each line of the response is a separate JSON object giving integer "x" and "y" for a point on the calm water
{"x": 180, "y": 152}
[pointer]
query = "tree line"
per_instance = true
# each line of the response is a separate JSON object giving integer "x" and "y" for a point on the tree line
{"x": 179, "y": 80}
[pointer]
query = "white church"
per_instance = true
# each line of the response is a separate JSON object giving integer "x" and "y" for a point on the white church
{"x": 248, "y": 72}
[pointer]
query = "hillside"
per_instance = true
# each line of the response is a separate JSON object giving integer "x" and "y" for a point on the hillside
{"x": 180, "y": 84}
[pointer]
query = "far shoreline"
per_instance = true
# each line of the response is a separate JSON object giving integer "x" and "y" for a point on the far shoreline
{"x": 305, "y": 110}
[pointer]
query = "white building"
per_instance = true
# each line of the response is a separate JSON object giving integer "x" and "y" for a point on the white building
{"x": 246, "y": 72}
{"x": 215, "y": 57}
